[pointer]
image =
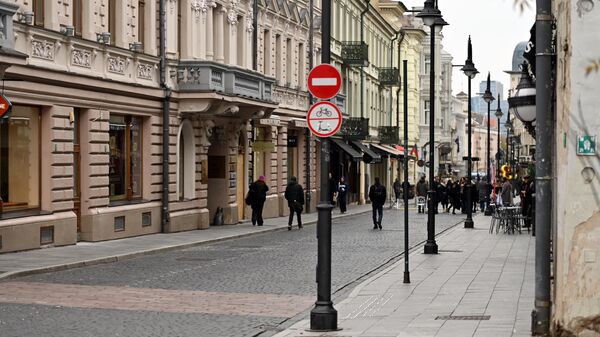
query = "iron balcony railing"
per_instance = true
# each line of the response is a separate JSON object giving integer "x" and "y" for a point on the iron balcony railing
{"x": 389, "y": 135}
{"x": 355, "y": 128}
{"x": 355, "y": 53}
{"x": 389, "y": 76}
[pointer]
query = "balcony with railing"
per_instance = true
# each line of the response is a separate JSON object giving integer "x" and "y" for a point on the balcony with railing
{"x": 355, "y": 128}
{"x": 389, "y": 135}
{"x": 389, "y": 76}
{"x": 355, "y": 53}
{"x": 213, "y": 76}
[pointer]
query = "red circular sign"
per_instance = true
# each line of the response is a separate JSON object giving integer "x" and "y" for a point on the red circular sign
{"x": 324, "y": 119}
{"x": 5, "y": 105}
{"x": 324, "y": 81}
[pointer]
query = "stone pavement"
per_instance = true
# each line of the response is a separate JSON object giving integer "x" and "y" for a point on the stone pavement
{"x": 475, "y": 274}
{"x": 90, "y": 253}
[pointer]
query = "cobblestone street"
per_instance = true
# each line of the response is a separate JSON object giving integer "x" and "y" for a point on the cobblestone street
{"x": 250, "y": 286}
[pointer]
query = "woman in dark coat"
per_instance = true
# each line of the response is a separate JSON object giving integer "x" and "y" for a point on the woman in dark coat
{"x": 342, "y": 193}
{"x": 455, "y": 196}
{"x": 257, "y": 196}
{"x": 443, "y": 196}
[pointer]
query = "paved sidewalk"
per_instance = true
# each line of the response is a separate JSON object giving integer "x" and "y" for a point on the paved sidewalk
{"x": 90, "y": 253}
{"x": 475, "y": 274}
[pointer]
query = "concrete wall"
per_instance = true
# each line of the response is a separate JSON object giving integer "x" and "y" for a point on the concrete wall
{"x": 577, "y": 235}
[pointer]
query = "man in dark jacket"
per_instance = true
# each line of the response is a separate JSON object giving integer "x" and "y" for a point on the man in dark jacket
{"x": 294, "y": 194}
{"x": 377, "y": 195}
{"x": 257, "y": 195}
{"x": 422, "y": 188}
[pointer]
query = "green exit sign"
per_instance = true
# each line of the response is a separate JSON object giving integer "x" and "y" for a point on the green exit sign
{"x": 586, "y": 145}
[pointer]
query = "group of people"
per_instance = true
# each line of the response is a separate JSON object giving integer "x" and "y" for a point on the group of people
{"x": 451, "y": 194}
{"x": 257, "y": 196}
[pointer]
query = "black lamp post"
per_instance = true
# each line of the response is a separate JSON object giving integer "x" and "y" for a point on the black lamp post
{"x": 488, "y": 98}
{"x": 498, "y": 115}
{"x": 431, "y": 17}
{"x": 469, "y": 70}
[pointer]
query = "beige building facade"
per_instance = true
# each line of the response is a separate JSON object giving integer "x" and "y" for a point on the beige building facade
{"x": 84, "y": 81}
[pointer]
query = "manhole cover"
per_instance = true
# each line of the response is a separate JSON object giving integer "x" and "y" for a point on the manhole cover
{"x": 450, "y": 251}
{"x": 464, "y": 318}
{"x": 194, "y": 259}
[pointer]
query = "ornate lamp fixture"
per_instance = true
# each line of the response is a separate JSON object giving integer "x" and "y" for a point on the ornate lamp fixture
{"x": 522, "y": 104}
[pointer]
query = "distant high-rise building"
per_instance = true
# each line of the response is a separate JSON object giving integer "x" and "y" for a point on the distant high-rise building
{"x": 480, "y": 106}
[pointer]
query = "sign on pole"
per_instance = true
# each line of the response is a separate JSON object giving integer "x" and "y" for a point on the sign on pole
{"x": 324, "y": 119}
{"x": 5, "y": 107}
{"x": 324, "y": 81}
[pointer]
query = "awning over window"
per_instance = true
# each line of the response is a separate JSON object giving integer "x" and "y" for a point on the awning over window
{"x": 399, "y": 148}
{"x": 374, "y": 156}
{"x": 347, "y": 148}
{"x": 388, "y": 150}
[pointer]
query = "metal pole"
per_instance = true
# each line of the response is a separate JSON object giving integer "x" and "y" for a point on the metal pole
{"x": 543, "y": 166}
{"x": 431, "y": 246}
{"x": 544, "y": 163}
{"x": 310, "y": 102}
{"x": 406, "y": 185}
{"x": 469, "y": 221}
{"x": 401, "y": 34}
{"x": 165, "y": 221}
{"x": 323, "y": 317}
{"x": 489, "y": 140}
{"x": 498, "y": 147}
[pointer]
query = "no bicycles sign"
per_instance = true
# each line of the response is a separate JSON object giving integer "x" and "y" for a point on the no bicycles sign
{"x": 324, "y": 119}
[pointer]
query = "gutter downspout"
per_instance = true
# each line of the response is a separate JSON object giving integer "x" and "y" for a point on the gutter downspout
{"x": 310, "y": 101}
{"x": 362, "y": 70}
{"x": 543, "y": 167}
{"x": 165, "y": 221}
{"x": 402, "y": 34}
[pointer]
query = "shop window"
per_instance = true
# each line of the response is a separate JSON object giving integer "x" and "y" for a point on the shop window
{"x": 125, "y": 166}
{"x": 260, "y": 149}
{"x": 20, "y": 160}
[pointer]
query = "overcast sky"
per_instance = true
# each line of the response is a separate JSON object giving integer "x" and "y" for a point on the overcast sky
{"x": 495, "y": 27}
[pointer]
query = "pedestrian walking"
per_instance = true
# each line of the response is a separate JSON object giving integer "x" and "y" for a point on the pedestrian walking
{"x": 437, "y": 188}
{"x": 474, "y": 195}
{"x": 527, "y": 200}
{"x": 332, "y": 189}
{"x": 443, "y": 195}
{"x": 294, "y": 194}
{"x": 342, "y": 194}
{"x": 463, "y": 195}
{"x": 377, "y": 195}
{"x": 484, "y": 194}
{"x": 397, "y": 192}
{"x": 422, "y": 188}
{"x": 257, "y": 195}
{"x": 455, "y": 196}
{"x": 507, "y": 193}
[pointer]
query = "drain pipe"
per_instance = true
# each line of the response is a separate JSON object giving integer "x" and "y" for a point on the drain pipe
{"x": 543, "y": 166}
{"x": 362, "y": 70}
{"x": 165, "y": 221}
{"x": 400, "y": 34}
{"x": 310, "y": 101}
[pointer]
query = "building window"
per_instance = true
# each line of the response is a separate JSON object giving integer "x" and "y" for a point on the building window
{"x": 125, "y": 166}
{"x": 427, "y": 66}
{"x": 186, "y": 168}
{"x": 425, "y": 120}
{"x": 267, "y": 53}
{"x": 141, "y": 21}
{"x": 77, "y": 17}
{"x": 289, "y": 53}
{"x": 278, "y": 65}
{"x": 20, "y": 160}
{"x": 112, "y": 20}
{"x": 301, "y": 65}
{"x": 38, "y": 12}
{"x": 260, "y": 152}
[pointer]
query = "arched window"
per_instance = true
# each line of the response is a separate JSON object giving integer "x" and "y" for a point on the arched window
{"x": 186, "y": 162}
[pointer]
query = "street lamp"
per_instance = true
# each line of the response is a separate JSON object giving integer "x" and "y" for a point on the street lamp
{"x": 431, "y": 17}
{"x": 469, "y": 70}
{"x": 522, "y": 104}
{"x": 488, "y": 98}
{"x": 498, "y": 115}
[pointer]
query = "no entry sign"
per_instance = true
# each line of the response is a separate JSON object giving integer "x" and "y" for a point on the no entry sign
{"x": 5, "y": 106}
{"x": 324, "y": 81}
{"x": 324, "y": 119}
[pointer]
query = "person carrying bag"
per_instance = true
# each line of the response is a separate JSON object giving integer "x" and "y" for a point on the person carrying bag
{"x": 294, "y": 194}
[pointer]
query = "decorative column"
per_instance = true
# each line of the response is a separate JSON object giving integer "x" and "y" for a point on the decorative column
{"x": 219, "y": 43}
{"x": 248, "y": 40}
{"x": 208, "y": 38}
{"x": 87, "y": 19}
{"x": 149, "y": 42}
{"x": 187, "y": 30}
{"x": 231, "y": 38}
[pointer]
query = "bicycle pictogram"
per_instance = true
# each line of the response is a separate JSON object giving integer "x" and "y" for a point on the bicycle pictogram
{"x": 323, "y": 111}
